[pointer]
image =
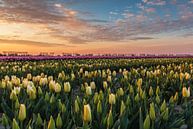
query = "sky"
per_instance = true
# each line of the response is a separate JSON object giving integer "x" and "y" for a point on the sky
{"x": 97, "y": 26}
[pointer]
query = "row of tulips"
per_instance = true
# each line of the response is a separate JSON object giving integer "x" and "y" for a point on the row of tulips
{"x": 144, "y": 97}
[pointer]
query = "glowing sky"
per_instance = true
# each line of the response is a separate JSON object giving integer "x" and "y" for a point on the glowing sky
{"x": 97, "y": 26}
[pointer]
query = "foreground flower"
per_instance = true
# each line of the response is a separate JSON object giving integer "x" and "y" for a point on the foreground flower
{"x": 152, "y": 111}
{"x": 51, "y": 124}
{"x": 186, "y": 92}
{"x": 22, "y": 112}
{"x": 4, "y": 120}
{"x": 112, "y": 99}
{"x": 39, "y": 120}
{"x": 87, "y": 116}
{"x": 67, "y": 87}
{"x": 99, "y": 107}
{"x": 146, "y": 124}
{"x": 122, "y": 109}
{"x": 59, "y": 122}
{"x": 15, "y": 125}
{"x": 110, "y": 119}
{"x": 88, "y": 91}
{"x": 57, "y": 88}
{"x": 13, "y": 95}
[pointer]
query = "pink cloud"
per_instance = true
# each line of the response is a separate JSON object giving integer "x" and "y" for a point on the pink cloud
{"x": 150, "y": 10}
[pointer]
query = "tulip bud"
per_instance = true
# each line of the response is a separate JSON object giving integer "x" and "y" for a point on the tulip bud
{"x": 63, "y": 108}
{"x": 67, "y": 87}
{"x": 52, "y": 99}
{"x": 110, "y": 119}
{"x": 157, "y": 90}
{"x": 52, "y": 85}
{"x": 99, "y": 107}
{"x": 131, "y": 91}
{"x": 128, "y": 101}
{"x": 22, "y": 112}
{"x": 165, "y": 114}
{"x": 96, "y": 98}
{"x": 88, "y": 91}
{"x": 15, "y": 125}
{"x": 109, "y": 79}
{"x": 29, "y": 76}
{"x": 87, "y": 116}
{"x": 39, "y": 91}
{"x": 76, "y": 106}
{"x": 57, "y": 88}
{"x": 146, "y": 124}
{"x": 9, "y": 85}
{"x": 122, "y": 109}
{"x": 150, "y": 91}
{"x": 171, "y": 101}
{"x": 72, "y": 76}
{"x": 114, "y": 73}
{"x": 93, "y": 85}
{"x": 4, "y": 120}
{"x": 47, "y": 97}
{"x": 13, "y": 95}
{"x": 157, "y": 99}
{"x": 137, "y": 98}
{"x": 105, "y": 84}
{"x": 17, "y": 90}
{"x": 51, "y": 124}
{"x": 144, "y": 95}
{"x": 120, "y": 92}
{"x": 39, "y": 120}
{"x": 176, "y": 97}
{"x": 31, "y": 91}
{"x": 163, "y": 106}
{"x": 17, "y": 104}
{"x": 139, "y": 82}
{"x": 186, "y": 92}
{"x": 101, "y": 95}
{"x": 59, "y": 122}
{"x": 112, "y": 99}
{"x": 152, "y": 112}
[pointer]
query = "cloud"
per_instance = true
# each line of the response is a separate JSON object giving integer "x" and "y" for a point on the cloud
{"x": 142, "y": 38}
{"x": 150, "y": 10}
{"x": 191, "y": 1}
{"x": 33, "y": 43}
{"x": 156, "y": 2}
{"x": 69, "y": 24}
{"x": 145, "y": 1}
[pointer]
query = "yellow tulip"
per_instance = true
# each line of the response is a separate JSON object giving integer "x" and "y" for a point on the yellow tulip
{"x": 51, "y": 124}
{"x": 152, "y": 112}
{"x": 93, "y": 85}
{"x": 147, "y": 122}
{"x": 105, "y": 84}
{"x": 176, "y": 97}
{"x": 150, "y": 91}
{"x": 67, "y": 87}
{"x": 87, "y": 116}
{"x": 15, "y": 125}
{"x": 112, "y": 99}
{"x": 88, "y": 91}
{"x": 185, "y": 92}
{"x": 57, "y": 88}
{"x": 59, "y": 122}
{"x": 13, "y": 95}
{"x": 22, "y": 112}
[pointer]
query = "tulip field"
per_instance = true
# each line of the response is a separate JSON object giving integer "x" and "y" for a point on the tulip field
{"x": 97, "y": 94}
